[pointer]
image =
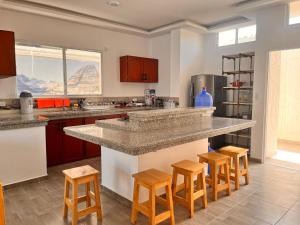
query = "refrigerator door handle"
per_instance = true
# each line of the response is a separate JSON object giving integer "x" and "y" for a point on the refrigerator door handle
{"x": 192, "y": 94}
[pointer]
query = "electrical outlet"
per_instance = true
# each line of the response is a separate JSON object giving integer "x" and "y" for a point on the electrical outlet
{"x": 2, "y": 104}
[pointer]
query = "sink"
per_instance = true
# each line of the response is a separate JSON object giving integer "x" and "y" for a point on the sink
{"x": 97, "y": 107}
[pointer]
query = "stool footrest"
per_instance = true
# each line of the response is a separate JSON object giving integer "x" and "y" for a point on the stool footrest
{"x": 162, "y": 217}
{"x": 87, "y": 211}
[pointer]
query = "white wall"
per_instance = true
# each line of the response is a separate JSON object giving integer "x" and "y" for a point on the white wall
{"x": 191, "y": 62}
{"x": 160, "y": 48}
{"x": 36, "y": 29}
{"x": 180, "y": 55}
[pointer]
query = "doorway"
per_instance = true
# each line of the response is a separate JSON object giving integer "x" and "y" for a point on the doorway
{"x": 283, "y": 106}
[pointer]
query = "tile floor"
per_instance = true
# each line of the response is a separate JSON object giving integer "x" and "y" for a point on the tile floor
{"x": 273, "y": 197}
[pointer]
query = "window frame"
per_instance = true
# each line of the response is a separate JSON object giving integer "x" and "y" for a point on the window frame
{"x": 65, "y": 95}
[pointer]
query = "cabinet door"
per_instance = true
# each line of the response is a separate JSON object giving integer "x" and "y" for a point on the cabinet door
{"x": 92, "y": 150}
{"x": 54, "y": 143}
{"x": 7, "y": 54}
{"x": 72, "y": 147}
{"x": 135, "y": 69}
{"x": 150, "y": 70}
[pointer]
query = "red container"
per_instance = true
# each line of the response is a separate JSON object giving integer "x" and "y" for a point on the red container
{"x": 59, "y": 102}
{"x": 67, "y": 102}
{"x": 45, "y": 103}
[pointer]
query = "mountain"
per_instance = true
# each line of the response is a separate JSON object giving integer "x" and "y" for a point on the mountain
{"x": 39, "y": 87}
{"x": 84, "y": 81}
{"x": 32, "y": 85}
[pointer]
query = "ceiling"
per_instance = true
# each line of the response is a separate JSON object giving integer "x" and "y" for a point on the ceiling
{"x": 152, "y": 14}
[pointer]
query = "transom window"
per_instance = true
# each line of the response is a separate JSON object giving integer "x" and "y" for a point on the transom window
{"x": 51, "y": 71}
{"x": 237, "y": 36}
{"x": 294, "y": 12}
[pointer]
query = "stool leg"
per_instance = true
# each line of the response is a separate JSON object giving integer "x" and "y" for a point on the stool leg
{"x": 66, "y": 196}
{"x": 245, "y": 161}
{"x": 214, "y": 177}
{"x": 88, "y": 197}
{"x": 237, "y": 172}
{"x": 227, "y": 177}
{"x": 75, "y": 203}
{"x": 203, "y": 184}
{"x": 136, "y": 193}
{"x": 152, "y": 212}
{"x": 97, "y": 197}
{"x": 174, "y": 182}
{"x": 191, "y": 195}
{"x": 170, "y": 203}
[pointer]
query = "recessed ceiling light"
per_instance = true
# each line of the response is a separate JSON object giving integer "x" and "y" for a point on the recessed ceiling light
{"x": 113, "y": 3}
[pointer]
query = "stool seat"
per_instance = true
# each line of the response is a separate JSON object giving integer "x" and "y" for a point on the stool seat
{"x": 152, "y": 177}
{"x": 213, "y": 156}
{"x": 189, "y": 170}
{"x": 232, "y": 150}
{"x": 80, "y": 172}
{"x": 189, "y": 166}
{"x": 152, "y": 180}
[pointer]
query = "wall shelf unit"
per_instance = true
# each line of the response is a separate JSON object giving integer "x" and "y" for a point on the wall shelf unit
{"x": 240, "y": 67}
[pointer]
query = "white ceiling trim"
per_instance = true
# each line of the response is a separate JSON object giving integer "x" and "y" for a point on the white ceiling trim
{"x": 99, "y": 22}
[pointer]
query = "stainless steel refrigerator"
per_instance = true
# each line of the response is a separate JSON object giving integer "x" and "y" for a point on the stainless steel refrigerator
{"x": 214, "y": 85}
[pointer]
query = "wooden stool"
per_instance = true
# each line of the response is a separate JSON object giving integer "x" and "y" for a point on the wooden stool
{"x": 235, "y": 153}
{"x": 2, "y": 210}
{"x": 76, "y": 176}
{"x": 217, "y": 161}
{"x": 152, "y": 179}
{"x": 189, "y": 170}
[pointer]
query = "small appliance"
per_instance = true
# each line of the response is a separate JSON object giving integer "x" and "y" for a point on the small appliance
{"x": 26, "y": 102}
{"x": 150, "y": 97}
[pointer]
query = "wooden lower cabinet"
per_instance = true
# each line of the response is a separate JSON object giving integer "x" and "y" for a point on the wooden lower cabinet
{"x": 72, "y": 148}
{"x": 62, "y": 148}
{"x": 54, "y": 135}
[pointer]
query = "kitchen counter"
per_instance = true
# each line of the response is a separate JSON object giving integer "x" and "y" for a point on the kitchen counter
{"x": 152, "y": 139}
{"x": 113, "y": 134}
{"x": 41, "y": 117}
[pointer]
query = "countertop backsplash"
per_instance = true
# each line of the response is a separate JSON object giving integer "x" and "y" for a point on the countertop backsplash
{"x": 14, "y": 103}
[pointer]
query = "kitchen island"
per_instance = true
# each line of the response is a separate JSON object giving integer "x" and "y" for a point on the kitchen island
{"x": 152, "y": 139}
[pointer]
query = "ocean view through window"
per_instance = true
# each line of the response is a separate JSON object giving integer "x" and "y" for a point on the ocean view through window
{"x": 50, "y": 71}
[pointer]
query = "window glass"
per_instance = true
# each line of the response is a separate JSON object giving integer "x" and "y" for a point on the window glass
{"x": 227, "y": 37}
{"x": 247, "y": 34}
{"x": 294, "y": 12}
{"x": 83, "y": 72}
{"x": 39, "y": 70}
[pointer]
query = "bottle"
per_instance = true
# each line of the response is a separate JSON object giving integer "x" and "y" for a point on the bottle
{"x": 203, "y": 99}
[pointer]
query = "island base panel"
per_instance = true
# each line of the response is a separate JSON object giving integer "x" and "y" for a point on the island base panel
{"x": 118, "y": 167}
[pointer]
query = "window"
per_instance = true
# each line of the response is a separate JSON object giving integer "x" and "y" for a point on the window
{"x": 40, "y": 70}
{"x": 227, "y": 37}
{"x": 49, "y": 71}
{"x": 83, "y": 72}
{"x": 247, "y": 34}
{"x": 294, "y": 15}
{"x": 237, "y": 36}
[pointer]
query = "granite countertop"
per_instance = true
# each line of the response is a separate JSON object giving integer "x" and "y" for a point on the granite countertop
{"x": 16, "y": 120}
{"x": 137, "y": 143}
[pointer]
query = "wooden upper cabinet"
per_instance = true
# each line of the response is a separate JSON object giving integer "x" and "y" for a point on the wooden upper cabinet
{"x": 138, "y": 69}
{"x": 7, "y": 54}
